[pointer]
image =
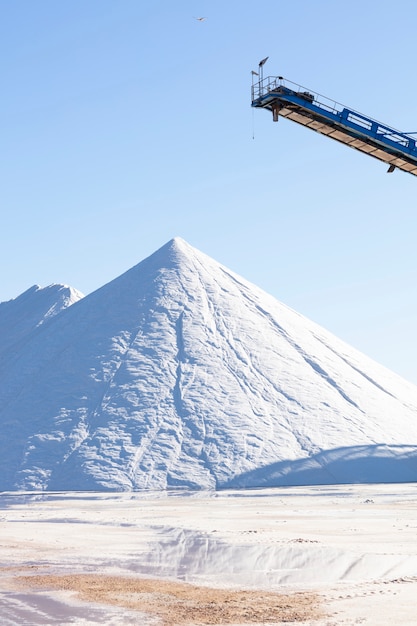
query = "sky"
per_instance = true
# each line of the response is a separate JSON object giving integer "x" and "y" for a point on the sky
{"x": 124, "y": 124}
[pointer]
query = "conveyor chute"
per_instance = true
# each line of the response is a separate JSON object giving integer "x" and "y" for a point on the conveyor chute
{"x": 287, "y": 99}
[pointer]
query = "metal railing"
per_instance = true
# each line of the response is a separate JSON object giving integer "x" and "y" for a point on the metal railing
{"x": 313, "y": 99}
{"x": 272, "y": 83}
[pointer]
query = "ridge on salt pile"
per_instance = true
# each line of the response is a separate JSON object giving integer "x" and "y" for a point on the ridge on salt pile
{"x": 180, "y": 373}
{"x": 20, "y": 316}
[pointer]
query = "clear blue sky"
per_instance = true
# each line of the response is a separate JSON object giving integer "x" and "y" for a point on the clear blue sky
{"x": 126, "y": 123}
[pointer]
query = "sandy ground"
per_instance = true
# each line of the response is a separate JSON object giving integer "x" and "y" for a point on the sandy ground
{"x": 319, "y": 556}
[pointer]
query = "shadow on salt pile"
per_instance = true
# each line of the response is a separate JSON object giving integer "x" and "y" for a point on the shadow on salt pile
{"x": 379, "y": 463}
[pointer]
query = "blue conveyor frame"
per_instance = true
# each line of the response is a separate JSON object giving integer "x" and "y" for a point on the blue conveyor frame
{"x": 312, "y": 110}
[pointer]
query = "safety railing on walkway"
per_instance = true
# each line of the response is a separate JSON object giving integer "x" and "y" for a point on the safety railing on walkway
{"x": 276, "y": 89}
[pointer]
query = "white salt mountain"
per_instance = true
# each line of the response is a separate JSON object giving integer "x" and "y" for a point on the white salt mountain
{"x": 19, "y": 317}
{"x": 180, "y": 373}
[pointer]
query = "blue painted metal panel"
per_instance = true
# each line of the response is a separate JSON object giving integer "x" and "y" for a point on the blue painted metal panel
{"x": 309, "y": 108}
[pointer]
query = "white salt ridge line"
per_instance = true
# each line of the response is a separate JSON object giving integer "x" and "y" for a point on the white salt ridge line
{"x": 198, "y": 558}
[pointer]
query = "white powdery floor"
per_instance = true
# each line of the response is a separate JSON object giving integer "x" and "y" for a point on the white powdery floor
{"x": 354, "y": 545}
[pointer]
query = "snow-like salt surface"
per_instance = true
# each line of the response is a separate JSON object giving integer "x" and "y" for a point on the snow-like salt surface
{"x": 181, "y": 374}
{"x": 355, "y": 544}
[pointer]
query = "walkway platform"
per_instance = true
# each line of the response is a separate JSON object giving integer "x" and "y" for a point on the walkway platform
{"x": 294, "y": 102}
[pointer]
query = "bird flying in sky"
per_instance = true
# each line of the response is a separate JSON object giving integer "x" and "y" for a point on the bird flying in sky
{"x": 200, "y": 19}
